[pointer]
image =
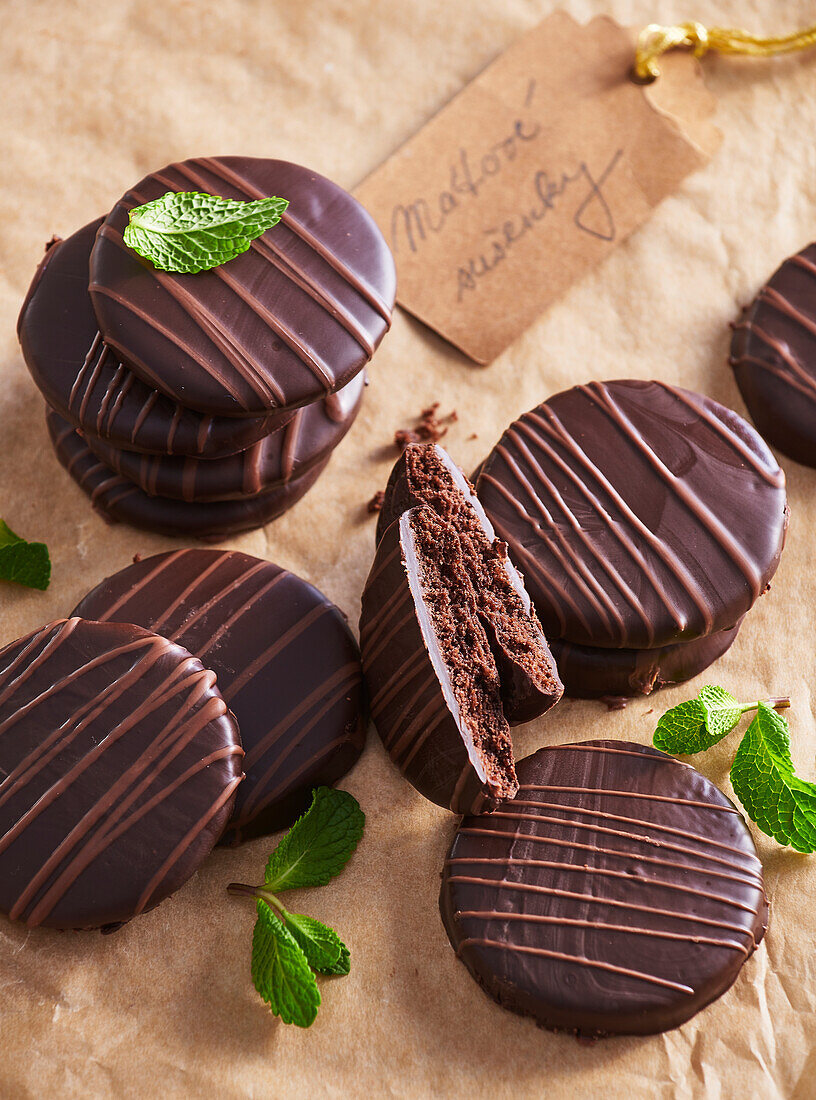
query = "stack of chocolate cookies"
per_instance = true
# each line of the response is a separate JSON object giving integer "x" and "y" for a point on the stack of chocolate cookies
{"x": 207, "y": 404}
{"x": 647, "y": 521}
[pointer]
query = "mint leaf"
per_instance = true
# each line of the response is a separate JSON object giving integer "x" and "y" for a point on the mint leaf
{"x": 319, "y": 844}
{"x": 188, "y": 231}
{"x": 22, "y": 562}
{"x": 765, "y": 781}
{"x": 321, "y": 945}
{"x": 699, "y": 723}
{"x": 280, "y": 971}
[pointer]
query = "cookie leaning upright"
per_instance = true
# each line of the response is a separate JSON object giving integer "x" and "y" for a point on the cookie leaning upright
{"x": 287, "y": 322}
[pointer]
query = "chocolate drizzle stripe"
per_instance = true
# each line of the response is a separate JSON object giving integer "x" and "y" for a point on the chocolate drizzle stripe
{"x": 570, "y": 562}
{"x": 109, "y": 612}
{"x": 209, "y": 322}
{"x": 613, "y": 817}
{"x": 355, "y": 281}
{"x": 557, "y": 430}
{"x": 328, "y": 693}
{"x": 772, "y": 477}
{"x": 232, "y": 619}
{"x": 585, "y": 869}
{"x": 110, "y": 834}
{"x": 202, "y": 609}
{"x": 252, "y": 802}
{"x": 167, "y": 333}
{"x": 405, "y": 748}
{"x": 578, "y": 570}
{"x": 594, "y": 899}
{"x": 624, "y": 794}
{"x": 602, "y": 926}
{"x": 117, "y": 799}
{"x": 184, "y": 844}
{"x": 269, "y": 654}
{"x": 627, "y": 543}
{"x": 400, "y": 677}
{"x": 63, "y": 630}
{"x": 579, "y": 960}
{"x": 781, "y": 304}
{"x": 97, "y": 340}
{"x": 392, "y": 622}
{"x": 750, "y": 878}
{"x": 290, "y": 441}
{"x": 283, "y": 262}
{"x": 800, "y": 381}
{"x": 686, "y": 495}
{"x": 584, "y": 747}
{"x": 239, "y": 821}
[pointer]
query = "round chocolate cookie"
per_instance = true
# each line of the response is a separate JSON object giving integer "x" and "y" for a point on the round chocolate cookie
{"x": 640, "y": 514}
{"x": 590, "y": 672}
{"x": 82, "y": 378}
{"x": 618, "y": 893}
{"x": 290, "y": 320}
{"x": 773, "y": 353}
{"x": 308, "y": 438}
{"x": 286, "y": 661}
{"x": 118, "y": 499}
{"x": 119, "y": 764}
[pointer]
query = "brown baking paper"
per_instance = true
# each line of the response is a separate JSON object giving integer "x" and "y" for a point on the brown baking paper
{"x": 530, "y": 177}
{"x": 94, "y": 95}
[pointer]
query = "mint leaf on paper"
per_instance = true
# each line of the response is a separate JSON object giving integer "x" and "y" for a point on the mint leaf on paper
{"x": 189, "y": 231}
{"x": 22, "y": 562}
{"x": 697, "y": 724}
{"x": 319, "y": 844}
{"x": 321, "y": 945}
{"x": 765, "y": 781}
{"x": 280, "y": 971}
{"x": 287, "y": 947}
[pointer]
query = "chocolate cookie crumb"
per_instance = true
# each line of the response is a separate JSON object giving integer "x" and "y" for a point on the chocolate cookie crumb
{"x": 376, "y": 502}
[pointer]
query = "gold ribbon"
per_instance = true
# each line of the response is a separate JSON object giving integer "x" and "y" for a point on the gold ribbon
{"x": 655, "y": 40}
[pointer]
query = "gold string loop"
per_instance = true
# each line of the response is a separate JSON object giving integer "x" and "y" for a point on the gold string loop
{"x": 655, "y": 40}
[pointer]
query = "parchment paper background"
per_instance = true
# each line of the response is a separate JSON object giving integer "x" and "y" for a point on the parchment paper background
{"x": 92, "y": 95}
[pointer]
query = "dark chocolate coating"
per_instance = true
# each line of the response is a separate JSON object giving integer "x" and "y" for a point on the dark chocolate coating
{"x": 290, "y": 320}
{"x": 286, "y": 661}
{"x": 619, "y": 893}
{"x": 121, "y": 501}
{"x": 119, "y": 764}
{"x": 773, "y": 353}
{"x": 524, "y": 699}
{"x": 590, "y": 672}
{"x": 308, "y": 438}
{"x": 412, "y": 700}
{"x": 82, "y": 378}
{"x": 640, "y": 514}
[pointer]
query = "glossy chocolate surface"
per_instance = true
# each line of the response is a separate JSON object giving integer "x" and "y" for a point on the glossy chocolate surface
{"x": 619, "y": 893}
{"x": 121, "y": 501}
{"x": 119, "y": 764}
{"x": 84, "y": 380}
{"x": 640, "y": 514}
{"x": 286, "y": 661}
{"x": 773, "y": 353}
{"x": 290, "y": 320}
{"x": 590, "y": 672}
{"x": 307, "y": 439}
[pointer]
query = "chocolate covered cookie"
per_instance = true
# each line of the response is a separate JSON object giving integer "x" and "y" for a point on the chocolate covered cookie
{"x": 773, "y": 353}
{"x": 120, "y": 500}
{"x": 85, "y": 381}
{"x": 618, "y": 893}
{"x": 426, "y": 474}
{"x": 307, "y": 439}
{"x": 642, "y": 515}
{"x": 286, "y": 661}
{"x": 119, "y": 763}
{"x": 292, "y": 319}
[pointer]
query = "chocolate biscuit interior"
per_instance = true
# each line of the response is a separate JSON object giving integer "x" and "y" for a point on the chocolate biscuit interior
{"x": 529, "y": 677}
{"x": 445, "y": 599}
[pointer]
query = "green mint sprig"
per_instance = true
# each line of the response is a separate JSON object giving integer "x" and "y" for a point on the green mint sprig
{"x": 188, "y": 231}
{"x": 26, "y": 563}
{"x": 287, "y": 948}
{"x": 763, "y": 776}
